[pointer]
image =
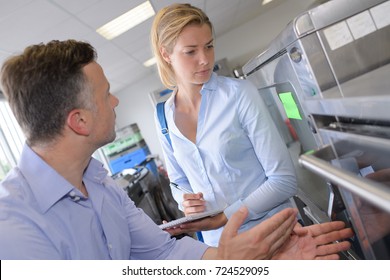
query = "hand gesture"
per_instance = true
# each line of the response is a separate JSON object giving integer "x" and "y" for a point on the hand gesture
{"x": 315, "y": 242}
{"x": 259, "y": 242}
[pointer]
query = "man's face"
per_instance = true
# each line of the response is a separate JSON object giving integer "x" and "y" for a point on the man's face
{"x": 103, "y": 117}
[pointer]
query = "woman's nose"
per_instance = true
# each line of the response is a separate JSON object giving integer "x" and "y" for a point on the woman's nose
{"x": 204, "y": 58}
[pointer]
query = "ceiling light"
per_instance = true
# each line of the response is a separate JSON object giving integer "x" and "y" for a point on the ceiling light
{"x": 265, "y": 2}
{"x": 126, "y": 21}
{"x": 150, "y": 62}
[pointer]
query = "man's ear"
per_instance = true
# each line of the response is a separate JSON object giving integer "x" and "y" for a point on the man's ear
{"x": 77, "y": 121}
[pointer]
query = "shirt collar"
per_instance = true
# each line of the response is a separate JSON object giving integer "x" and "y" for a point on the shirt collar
{"x": 47, "y": 185}
{"x": 96, "y": 172}
{"x": 210, "y": 85}
{"x": 171, "y": 99}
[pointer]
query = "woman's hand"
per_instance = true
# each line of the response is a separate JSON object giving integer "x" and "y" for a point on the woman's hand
{"x": 193, "y": 203}
{"x": 208, "y": 223}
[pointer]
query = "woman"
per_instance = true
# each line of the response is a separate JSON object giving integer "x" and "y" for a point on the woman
{"x": 224, "y": 146}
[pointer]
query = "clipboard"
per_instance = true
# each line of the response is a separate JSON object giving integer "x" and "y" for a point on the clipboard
{"x": 191, "y": 218}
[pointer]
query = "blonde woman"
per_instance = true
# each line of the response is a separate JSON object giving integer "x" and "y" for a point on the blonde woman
{"x": 224, "y": 146}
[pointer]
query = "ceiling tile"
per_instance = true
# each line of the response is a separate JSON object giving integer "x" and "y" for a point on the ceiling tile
{"x": 75, "y": 6}
{"x": 69, "y": 29}
{"x": 111, "y": 57}
{"x": 158, "y": 4}
{"x": 219, "y": 4}
{"x": 142, "y": 54}
{"x": 9, "y": 7}
{"x": 31, "y": 21}
{"x": 106, "y": 10}
{"x": 135, "y": 39}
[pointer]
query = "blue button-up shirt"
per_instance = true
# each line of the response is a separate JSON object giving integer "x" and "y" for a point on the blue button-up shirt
{"x": 239, "y": 157}
{"x": 42, "y": 216}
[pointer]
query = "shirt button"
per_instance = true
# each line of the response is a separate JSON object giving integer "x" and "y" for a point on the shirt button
{"x": 72, "y": 193}
{"x": 110, "y": 246}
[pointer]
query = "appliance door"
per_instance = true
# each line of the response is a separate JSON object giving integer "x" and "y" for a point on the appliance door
{"x": 279, "y": 87}
{"x": 281, "y": 90}
{"x": 359, "y": 167}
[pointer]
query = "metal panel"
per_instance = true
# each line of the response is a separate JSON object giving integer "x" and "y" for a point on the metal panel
{"x": 336, "y": 60}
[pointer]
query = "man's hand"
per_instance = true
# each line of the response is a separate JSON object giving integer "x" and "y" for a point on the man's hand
{"x": 315, "y": 242}
{"x": 259, "y": 242}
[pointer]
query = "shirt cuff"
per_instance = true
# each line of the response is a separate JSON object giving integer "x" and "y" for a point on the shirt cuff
{"x": 189, "y": 249}
{"x": 230, "y": 210}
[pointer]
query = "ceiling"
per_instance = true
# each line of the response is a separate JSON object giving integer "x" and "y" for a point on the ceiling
{"x": 26, "y": 22}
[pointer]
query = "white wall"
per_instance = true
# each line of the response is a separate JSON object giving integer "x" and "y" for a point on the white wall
{"x": 238, "y": 46}
{"x": 135, "y": 107}
{"x": 250, "y": 39}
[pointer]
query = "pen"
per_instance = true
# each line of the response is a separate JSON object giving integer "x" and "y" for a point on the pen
{"x": 174, "y": 185}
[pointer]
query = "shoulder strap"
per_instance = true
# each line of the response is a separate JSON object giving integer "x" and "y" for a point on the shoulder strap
{"x": 163, "y": 121}
{"x": 165, "y": 131}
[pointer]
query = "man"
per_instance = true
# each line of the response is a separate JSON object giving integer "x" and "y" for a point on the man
{"x": 59, "y": 203}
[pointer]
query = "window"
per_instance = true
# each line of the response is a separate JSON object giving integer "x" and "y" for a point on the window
{"x": 11, "y": 139}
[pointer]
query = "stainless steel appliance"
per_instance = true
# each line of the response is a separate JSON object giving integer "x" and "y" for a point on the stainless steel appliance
{"x": 328, "y": 72}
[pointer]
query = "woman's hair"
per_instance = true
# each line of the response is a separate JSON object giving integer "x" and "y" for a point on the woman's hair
{"x": 167, "y": 26}
{"x": 46, "y": 82}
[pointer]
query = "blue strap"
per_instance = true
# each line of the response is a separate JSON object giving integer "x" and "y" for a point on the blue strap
{"x": 165, "y": 131}
{"x": 163, "y": 121}
{"x": 199, "y": 236}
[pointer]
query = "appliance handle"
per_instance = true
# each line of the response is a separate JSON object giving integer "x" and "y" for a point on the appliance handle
{"x": 371, "y": 191}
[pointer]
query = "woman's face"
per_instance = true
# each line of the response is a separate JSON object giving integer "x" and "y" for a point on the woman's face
{"x": 192, "y": 58}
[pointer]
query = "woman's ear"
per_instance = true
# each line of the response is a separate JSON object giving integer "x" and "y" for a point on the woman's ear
{"x": 165, "y": 55}
{"x": 77, "y": 121}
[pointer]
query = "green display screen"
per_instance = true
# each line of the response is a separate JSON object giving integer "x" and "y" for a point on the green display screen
{"x": 290, "y": 106}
